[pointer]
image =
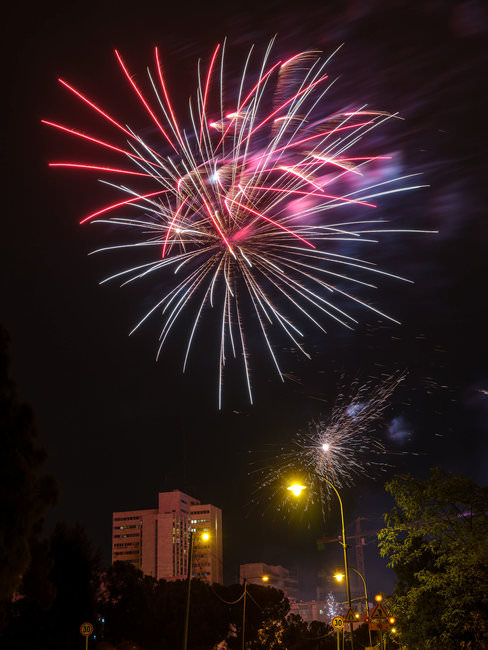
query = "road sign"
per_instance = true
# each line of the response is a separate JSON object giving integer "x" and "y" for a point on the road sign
{"x": 86, "y": 629}
{"x": 337, "y": 623}
{"x": 380, "y": 625}
{"x": 350, "y": 617}
{"x": 379, "y": 613}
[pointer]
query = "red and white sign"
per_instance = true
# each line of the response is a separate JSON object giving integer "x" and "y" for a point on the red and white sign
{"x": 337, "y": 623}
{"x": 351, "y": 616}
{"x": 379, "y": 613}
{"x": 86, "y": 629}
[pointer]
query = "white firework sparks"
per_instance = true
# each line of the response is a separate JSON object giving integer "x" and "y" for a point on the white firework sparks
{"x": 234, "y": 214}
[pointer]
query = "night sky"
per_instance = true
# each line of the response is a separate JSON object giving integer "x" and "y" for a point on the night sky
{"x": 119, "y": 427}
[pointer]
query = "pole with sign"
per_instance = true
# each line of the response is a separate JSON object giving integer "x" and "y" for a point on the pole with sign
{"x": 86, "y": 630}
{"x": 337, "y": 625}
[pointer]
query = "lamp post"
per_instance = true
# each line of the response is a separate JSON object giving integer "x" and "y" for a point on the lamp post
{"x": 265, "y": 579}
{"x": 296, "y": 490}
{"x": 339, "y": 577}
{"x": 244, "y": 615}
{"x": 204, "y": 537}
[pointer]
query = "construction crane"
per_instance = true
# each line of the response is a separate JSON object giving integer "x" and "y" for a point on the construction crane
{"x": 360, "y": 538}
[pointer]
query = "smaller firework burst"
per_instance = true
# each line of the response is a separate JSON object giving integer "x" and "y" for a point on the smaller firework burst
{"x": 336, "y": 448}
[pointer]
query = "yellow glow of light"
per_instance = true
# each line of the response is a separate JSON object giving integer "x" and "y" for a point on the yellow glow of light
{"x": 296, "y": 489}
{"x": 265, "y": 578}
{"x": 378, "y": 598}
{"x": 339, "y": 576}
{"x": 391, "y": 620}
{"x": 205, "y": 537}
{"x": 393, "y": 629}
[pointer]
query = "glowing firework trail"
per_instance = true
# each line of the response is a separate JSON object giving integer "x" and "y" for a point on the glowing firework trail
{"x": 342, "y": 445}
{"x": 236, "y": 215}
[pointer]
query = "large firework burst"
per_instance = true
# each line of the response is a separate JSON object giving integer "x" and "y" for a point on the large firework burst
{"x": 237, "y": 217}
{"x": 340, "y": 446}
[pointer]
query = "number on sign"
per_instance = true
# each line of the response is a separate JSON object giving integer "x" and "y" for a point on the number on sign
{"x": 337, "y": 622}
{"x": 86, "y": 629}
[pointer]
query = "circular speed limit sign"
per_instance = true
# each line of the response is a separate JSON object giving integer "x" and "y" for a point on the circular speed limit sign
{"x": 337, "y": 623}
{"x": 86, "y": 629}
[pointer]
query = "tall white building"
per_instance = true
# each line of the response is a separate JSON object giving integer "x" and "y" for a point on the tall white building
{"x": 157, "y": 541}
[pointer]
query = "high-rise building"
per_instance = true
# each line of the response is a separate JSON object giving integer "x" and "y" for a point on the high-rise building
{"x": 259, "y": 573}
{"x": 156, "y": 541}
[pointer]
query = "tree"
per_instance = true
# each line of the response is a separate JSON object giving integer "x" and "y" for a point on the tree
{"x": 151, "y": 613}
{"x": 57, "y": 594}
{"x": 436, "y": 539}
{"x": 266, "y": 607}
{"x": 24, "y": 495}
{"x": 75, "y": 577}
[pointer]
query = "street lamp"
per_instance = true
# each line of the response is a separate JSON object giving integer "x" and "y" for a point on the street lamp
{"x": 340, "y": 576}
{"x": 264, "y": 578}
{"x": 204, "y": 536}
{"x": 297, "y": 489}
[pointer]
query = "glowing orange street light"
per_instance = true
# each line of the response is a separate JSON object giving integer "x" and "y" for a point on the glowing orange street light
{"x": 297, "y": 489}
{"x": 339, "y": 576}
{"x": 378, "y": 598}
{"x": 204, "y": 537}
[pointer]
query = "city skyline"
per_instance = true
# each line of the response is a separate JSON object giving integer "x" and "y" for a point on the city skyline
{"x": 118, "y": 427}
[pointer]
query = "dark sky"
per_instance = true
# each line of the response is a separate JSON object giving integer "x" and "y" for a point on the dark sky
{"x": 118, "y": 427}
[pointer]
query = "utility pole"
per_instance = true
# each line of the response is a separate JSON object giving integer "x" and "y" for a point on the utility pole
{"x": 188, "y": 590}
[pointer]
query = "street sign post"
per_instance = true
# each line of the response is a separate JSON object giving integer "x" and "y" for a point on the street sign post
{"x": 86, "y": 630}
{"x": 338, "y": 625}
{"x": 379, "y": 620}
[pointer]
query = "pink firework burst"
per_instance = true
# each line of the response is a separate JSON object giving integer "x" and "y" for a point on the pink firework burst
{"x": 238, "y": 216}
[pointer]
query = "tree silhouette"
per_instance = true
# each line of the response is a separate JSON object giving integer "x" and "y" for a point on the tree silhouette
{"x": 24, "y": 495}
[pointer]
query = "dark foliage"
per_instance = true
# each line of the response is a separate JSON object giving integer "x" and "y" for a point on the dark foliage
{"x": 57, "y": 594}
{"x": 151, "y": 613}
{"x": 436, "y": 539}
{"x": 24, "y": 495}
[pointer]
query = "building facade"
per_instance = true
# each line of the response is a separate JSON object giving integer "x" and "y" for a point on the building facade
{"x": 259, "y": 573}
{"x": 156, "y": 541}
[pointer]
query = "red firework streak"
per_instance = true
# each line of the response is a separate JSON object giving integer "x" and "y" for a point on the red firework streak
{"x": 241, "y": 196}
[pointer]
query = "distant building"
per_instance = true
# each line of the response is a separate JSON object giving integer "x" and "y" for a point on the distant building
{"x": 156, "y": 541}
{"x": 259, "y": 573}
{"x": 310, "y": 610}
{"x": 322, "y": 609}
